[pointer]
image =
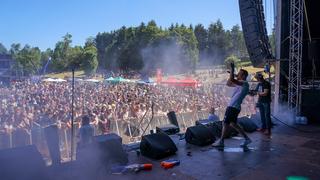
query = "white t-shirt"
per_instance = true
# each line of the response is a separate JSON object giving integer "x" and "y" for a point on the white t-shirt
{"x": 239, "y": 94}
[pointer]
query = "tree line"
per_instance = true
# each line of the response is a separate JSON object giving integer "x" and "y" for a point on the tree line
{"x": 33, "y": 61}
{"x": 142, "y": 48}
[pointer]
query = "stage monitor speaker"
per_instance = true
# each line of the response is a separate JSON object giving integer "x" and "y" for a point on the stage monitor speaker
{"x": 247, "y": 124}
{"x": 173, "y": 118}
{"x": 255, "y": 32}
{"x": 216, "y": 129}
{"x": 110, "y": 146}
{"x": 157, "y": 146}
{"x": 22, "y": 163}
{"x": 199, "y": 135}
{"x": 205, "y": 122}
{"x": 106, "y": 149}
{"x": 171, "y": 128}
{"x": 52, "y": 138}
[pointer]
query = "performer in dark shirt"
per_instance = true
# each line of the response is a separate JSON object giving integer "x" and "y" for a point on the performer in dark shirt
{"x": 263, "y": 90}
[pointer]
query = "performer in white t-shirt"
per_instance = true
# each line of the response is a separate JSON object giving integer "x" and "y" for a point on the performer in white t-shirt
{"x": 241, "y": 89}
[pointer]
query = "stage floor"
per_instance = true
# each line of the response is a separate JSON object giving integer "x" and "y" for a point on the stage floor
{"x": 288, "y": 153}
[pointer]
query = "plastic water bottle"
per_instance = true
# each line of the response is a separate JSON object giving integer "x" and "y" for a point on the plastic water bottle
{"x": 298, "y": 120}
{"x": 301, "y": 120}
{"x": 304, "y": 120}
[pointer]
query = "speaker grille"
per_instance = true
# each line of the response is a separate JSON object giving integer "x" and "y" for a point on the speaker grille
{"x": 254, "y": 31}
{"x": 157, "y": 146}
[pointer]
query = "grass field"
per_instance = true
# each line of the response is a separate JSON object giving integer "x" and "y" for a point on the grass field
{"x": 65, "y": 75}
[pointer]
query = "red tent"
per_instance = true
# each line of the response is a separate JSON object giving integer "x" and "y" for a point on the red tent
{"x": 187, "y": 82}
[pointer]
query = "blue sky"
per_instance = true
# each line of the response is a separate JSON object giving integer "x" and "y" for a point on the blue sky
{"x": 43, "y": 22}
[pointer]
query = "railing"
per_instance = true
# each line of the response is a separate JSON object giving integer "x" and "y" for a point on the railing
{"x": 128, "y": 129}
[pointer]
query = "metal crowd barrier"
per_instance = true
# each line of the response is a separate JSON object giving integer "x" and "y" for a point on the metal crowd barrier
{"x": 128, "y": 129}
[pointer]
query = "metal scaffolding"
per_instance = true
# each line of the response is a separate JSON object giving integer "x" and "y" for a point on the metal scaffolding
{"x": 295, "y": 55}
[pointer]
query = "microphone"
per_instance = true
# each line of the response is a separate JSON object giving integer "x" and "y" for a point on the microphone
{"x": 234, "y": 72}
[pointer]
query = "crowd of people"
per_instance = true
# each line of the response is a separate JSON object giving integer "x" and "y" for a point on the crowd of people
{"x": 27, "y": 105}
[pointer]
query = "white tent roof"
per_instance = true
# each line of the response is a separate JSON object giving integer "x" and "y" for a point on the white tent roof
{"x": 92, "y": 80}
{"x": 54, "y": 80}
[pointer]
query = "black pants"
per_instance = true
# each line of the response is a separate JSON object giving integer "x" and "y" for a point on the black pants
{"x": 265, "y": 115}
{"x": 231, "y": 115}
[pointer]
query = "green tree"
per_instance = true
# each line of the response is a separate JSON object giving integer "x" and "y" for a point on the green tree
{"x": 60, "y": 54}
{"x": 217, "y": 42}
{"x": 272, "y": 38}
{"x": 130, "y": 59}
{"x": 119, "y": 43}
{"x": 124, "y": 49}
{"x": 89, "y": 59}
{"x": 104, "y": 42}
{"x": 75, "y": 57}
{"x": 15, "y": 49}
{"x": 29, "y": 60}
{"x": 202, "y": 37}
{"x": 238, "y": 46}
{"x": 235, "y": 34}
{"x": 131, "y": 48}
{"x": 187, "y": 40}
{"x": 148, "y": 34}
{"x": 3, "y": 49}
{"x": 90, "y": 41}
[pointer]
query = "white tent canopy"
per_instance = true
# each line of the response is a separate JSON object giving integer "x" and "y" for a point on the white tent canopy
{"x": 92, "y": 80}
{"x": 54, "y": 80}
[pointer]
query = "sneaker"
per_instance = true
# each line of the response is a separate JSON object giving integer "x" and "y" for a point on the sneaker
{"x": 267, "y": 133}
{"x": 245, "y": 142}
{"x": 219, "y": 144}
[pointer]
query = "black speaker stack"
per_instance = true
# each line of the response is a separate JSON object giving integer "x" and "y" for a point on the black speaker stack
{"x": 255, "y": 32}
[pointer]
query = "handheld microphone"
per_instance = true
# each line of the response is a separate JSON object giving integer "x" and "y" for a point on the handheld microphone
{"x": 230, "y": 72}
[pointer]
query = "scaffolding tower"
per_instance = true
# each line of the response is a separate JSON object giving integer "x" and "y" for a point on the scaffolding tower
{"x": 295, "y": 55}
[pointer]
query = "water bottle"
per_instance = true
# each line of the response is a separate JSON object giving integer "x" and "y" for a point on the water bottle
{"x": 304, "y": 120}
{"x": 298, "y": 120}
